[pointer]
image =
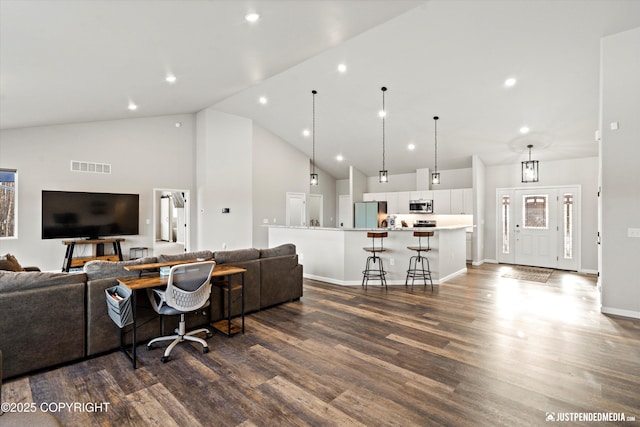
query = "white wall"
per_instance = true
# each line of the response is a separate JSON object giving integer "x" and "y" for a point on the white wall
{"x": 400, "y": 182}
{"x": 144, "y": 153}
{"x": 279, "y": 168}
{"x": 454, "y": 178}
{"x": 479, "y": 210}
{"x": 620, "y": 151}
{"x": 583, "y": 172}
{"x": 358, "y": 184}
{"x": 224, "y": 180}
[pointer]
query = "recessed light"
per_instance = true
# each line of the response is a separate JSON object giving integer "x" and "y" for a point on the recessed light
{"x": 339, "y": 157}
{"x": 342, "y": 68}
{"x": 510, "y": 82}
{"x": 306, "y": 132}
{"x": 252, "y": 17}
{"x": 524, "y": 130}
{"x": 170, "y": 78}
{"x": 178, "y": 124}
{"x": 382, "y": 113}
{"x": 411, "y": 147}
{"x": 132, "y": 106}
{"x": 262, "y": 100}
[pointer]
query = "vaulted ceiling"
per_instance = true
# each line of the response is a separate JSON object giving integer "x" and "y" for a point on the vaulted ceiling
{"x": 73, "y": 61}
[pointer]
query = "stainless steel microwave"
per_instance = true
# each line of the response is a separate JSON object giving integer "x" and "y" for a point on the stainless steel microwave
{"x": 421, "y": 206}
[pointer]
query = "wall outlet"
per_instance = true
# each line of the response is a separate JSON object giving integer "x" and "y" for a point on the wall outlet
{"x": 224, "y": 246}
{"x": 633, "y": 232}
{"x": 265, "y": 221}
{"x": 392, "y": 261}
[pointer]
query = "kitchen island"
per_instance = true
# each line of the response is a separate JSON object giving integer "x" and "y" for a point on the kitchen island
{"x": 336, "y": 255}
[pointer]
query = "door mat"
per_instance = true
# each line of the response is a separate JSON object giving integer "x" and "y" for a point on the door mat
{"x": 532, "y": 274}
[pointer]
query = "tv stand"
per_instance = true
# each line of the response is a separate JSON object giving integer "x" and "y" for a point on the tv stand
{"x": 71, "y": 262}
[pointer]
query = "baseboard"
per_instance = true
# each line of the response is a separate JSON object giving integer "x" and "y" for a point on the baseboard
{"x": 451, "y": 276}
{"x": 491, "y": 261}
{"x": 618, "y": 312}
{"x": 477, "y": 262}
{"x": 325, "y": 279}
{"x": 588, "y": 271}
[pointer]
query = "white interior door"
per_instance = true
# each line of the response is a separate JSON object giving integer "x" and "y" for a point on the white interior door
{"x": 296, "y": 209}
{"x": 539, "y": 227}
{"x": 165, "y": 223}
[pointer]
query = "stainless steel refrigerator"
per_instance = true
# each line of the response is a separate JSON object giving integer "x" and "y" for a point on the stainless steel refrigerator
{"x": 370, "y": 214}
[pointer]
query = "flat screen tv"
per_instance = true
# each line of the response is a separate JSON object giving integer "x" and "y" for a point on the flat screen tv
{"x": 74, "y": 214}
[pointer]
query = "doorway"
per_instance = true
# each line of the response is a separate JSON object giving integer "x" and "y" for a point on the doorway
{"x": 315, "y": 210}
{"x": 296, "y": 209}
{"x": 539, "y": 226}
{"x": 171, "y": 215}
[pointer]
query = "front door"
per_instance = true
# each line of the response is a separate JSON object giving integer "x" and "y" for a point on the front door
{"x": 539, "y": 226}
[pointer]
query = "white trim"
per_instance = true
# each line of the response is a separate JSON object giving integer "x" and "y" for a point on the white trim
{"x": 478, "y": 262}
{"x": 618, "y": 312}
{"x": 588, "y": 271}
{"x": 491, "y": 261}
{"x": 451, "y": 276}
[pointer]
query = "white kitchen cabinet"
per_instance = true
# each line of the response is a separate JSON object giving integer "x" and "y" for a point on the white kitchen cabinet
{"x": 441, "y": 202}
{"x": 392, "y": 203}
{"x": 462, "y": 201}
{"x": 403, "y": 202}
{"x": 421, "y": 195}
{"x": 469, "y": 250}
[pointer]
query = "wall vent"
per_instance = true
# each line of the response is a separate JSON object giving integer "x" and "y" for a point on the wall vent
{"x": 90, "y": 167}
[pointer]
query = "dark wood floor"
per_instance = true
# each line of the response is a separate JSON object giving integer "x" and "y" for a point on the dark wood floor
{"x": 481, "y": 350}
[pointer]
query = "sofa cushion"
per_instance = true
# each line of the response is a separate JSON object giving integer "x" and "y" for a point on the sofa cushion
{"x": 286, "y": 249}
{"x": 11, "y": 281}
{"x": 99, "y": 269}
{"x": 9, "y": 263}
{"x": 187, "y": 256}
{"x": 240, "y": 255}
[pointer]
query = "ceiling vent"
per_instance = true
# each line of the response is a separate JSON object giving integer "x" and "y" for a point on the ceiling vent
{"x": 90, "y": 167}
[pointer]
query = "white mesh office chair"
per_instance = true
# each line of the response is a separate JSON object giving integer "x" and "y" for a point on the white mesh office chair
{"x": 188, "y": 289}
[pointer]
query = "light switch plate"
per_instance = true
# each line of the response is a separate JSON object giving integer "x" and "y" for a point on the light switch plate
{"x": 614, "y": 125}
{"x": 633, "y": 232}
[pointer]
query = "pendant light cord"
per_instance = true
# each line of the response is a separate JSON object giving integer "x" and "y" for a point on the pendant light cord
{"x": 313, "y": 131}
{"x": 384, "y": 114}
{"x": 435, "y": 122}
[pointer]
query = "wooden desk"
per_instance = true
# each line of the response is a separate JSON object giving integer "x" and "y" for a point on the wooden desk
{"x": 136, "y": 283}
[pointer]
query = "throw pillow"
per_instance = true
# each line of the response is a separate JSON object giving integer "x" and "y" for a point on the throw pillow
{"x": 9, "y": 263}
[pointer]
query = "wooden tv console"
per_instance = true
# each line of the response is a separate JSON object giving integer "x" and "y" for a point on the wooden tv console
{"x": 98, "y": 252}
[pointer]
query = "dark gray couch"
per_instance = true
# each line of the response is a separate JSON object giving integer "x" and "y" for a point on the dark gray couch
{"x": 48, "y": 319}
{"x": 42, "y": 319}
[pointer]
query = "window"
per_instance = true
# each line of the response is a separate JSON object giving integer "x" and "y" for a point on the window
{"x": 535, "y": 212}
{"x": 8, "y": 203}
{"x": 506, "y": 201}
{"x": 567, "y": 225}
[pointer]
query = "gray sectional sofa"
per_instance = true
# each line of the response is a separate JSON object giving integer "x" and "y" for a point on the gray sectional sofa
{"x": 47, "y": 319}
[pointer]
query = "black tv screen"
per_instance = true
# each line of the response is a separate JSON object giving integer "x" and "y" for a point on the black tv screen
{"x": 74, "y": 214}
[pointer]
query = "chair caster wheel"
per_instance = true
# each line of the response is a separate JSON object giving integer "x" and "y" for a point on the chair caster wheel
{"x": 149, "y": 347}
{"x": 209, "y": 334}
{"x": 164, "y": 359}
{"x": 205, "y": 349}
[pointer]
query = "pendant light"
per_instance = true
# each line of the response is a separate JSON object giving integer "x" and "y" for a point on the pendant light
{"x": 530, "y": 168}
{"x": 383, "y": 175}
{"x": 313, "y": 177}
{"x": 435, "y": 176}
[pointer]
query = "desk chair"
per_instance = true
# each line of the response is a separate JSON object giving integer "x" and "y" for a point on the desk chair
{"x": 188, "y": 289}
